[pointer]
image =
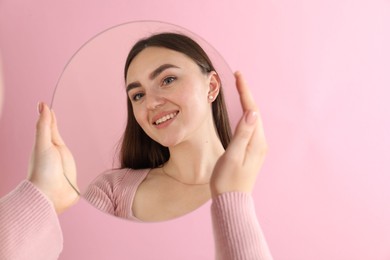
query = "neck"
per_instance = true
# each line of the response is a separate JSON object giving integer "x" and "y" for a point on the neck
{"x": 193, "y": 162}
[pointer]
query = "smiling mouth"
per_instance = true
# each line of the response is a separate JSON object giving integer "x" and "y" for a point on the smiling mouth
{"x": 165, "y": 118}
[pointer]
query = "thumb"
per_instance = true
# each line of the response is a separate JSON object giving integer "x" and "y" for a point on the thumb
{"x": 43, "y": 127}
{"x": 242, "y": 136}
{"x": 55, "y": 134}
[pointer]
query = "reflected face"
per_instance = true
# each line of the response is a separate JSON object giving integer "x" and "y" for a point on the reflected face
{"x": 169, "y": 95}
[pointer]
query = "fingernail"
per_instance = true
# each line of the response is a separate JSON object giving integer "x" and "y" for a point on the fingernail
{"x": 251, "y": 117}
{"x": 40, "y": 107}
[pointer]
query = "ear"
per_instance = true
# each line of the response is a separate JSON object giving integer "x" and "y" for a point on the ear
{"x": 214, "y": 86}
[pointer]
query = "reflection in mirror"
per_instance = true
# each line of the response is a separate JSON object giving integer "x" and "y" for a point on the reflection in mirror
{"x": 146, "y": 126}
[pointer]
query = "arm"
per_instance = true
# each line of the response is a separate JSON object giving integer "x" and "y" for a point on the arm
{"x": 237, "y": 232}
{"x": 100, "y": 193}
{"x": 29, "y": 227}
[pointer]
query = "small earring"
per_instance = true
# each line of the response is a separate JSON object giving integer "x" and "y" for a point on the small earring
{"x": 211, "y": 97}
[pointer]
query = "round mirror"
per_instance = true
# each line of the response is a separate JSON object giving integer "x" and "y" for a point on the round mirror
{"x": 90, "y": 101}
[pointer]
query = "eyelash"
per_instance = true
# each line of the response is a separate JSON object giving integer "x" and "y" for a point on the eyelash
{"x": 135, "y": 96}
{"x": 138, "y": 96}
{"x": 164, "y": 82}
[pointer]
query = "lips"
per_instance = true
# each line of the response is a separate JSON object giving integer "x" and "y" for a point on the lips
{"x": 164, "y": 118}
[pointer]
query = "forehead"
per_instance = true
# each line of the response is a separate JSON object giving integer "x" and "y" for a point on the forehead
{"x": 152, "y": 57}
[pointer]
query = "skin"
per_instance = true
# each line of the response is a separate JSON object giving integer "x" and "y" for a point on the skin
{"x": 238, "y": 167}
{"x": 49, "y": 161}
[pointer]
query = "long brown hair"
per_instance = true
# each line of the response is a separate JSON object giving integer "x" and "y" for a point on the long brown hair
{"x": 138, "y": 150}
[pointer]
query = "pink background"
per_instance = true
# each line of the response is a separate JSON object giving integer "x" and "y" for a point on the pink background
{"x": 320, "y": 74}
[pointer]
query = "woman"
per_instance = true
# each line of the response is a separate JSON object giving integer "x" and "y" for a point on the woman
{"x": 177, "y": 129}
{"x": 47, "y": 191}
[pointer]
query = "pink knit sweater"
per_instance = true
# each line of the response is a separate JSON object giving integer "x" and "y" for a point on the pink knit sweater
{"x": 236, "y": 230}
{"x": 29, "y": 227}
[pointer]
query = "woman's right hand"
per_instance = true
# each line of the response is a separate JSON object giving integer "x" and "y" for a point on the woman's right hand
{"x": 51, "y": 160}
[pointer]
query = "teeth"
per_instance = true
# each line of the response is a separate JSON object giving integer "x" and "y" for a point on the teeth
{"x": 165, "y": 118}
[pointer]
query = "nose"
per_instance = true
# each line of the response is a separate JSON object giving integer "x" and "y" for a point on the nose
{"x": 153, "y": 100}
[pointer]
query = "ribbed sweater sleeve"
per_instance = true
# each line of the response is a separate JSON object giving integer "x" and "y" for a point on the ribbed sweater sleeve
{"x": 29, "y": 226}
{"x": 113, "y": 192}
{"x": 237, "y": 231}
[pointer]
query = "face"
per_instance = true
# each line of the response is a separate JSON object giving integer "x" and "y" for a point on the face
{"x": 170, "y": 96}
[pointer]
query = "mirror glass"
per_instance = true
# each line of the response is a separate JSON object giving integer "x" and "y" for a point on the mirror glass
{"x": 90, "y": 102}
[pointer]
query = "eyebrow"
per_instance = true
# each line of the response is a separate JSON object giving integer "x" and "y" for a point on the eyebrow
{"x": 152, "y": 75}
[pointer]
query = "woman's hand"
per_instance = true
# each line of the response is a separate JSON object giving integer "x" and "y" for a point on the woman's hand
{"x": 51, "y": 160}
{"x": 238, "y": 167}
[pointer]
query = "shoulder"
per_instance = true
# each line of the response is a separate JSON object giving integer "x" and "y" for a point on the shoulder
{"x": 114, "y": 190}
{"x": 115, "y": 178}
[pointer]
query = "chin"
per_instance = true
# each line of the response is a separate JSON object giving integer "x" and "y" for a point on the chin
{"x": 168, "y": 142}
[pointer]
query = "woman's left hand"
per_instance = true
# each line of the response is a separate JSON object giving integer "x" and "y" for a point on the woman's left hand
{"x": 238, "y": 167}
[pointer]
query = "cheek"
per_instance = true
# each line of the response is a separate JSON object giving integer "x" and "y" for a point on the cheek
{"x": 139, "y": 116}
{"x": 195, "y": 93}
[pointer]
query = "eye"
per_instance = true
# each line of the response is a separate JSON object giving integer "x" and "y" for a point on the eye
{"x": 137, "y": 96}
{"x": 168, "y": 80}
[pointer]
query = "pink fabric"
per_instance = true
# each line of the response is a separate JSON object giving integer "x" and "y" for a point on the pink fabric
{"x": 29, "y": 227}
{"x": 113, "y": 192}
{"x": 237, "y": 233}
{"x": 236, "y": 229}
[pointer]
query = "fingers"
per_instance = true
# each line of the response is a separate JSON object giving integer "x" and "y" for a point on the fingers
{"x": 242, "y": 136}
{"x": 43, "y": 129}
{"x": 47, "y": 132}
{"x": 56, "y": 137}
{"x": 246, "y": 98}
{"x": 257, "y": 145}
